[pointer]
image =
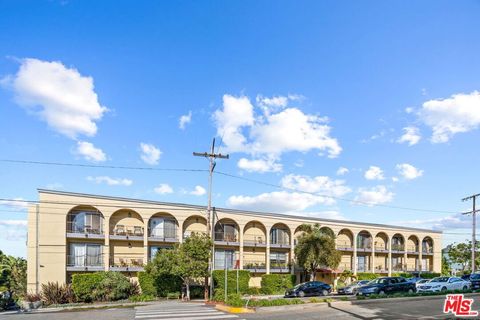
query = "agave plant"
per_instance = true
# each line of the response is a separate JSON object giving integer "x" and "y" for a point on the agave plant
{"x": 55, "y": 293}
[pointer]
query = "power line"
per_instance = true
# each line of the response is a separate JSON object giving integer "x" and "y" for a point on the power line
{"x": 65, "y": 164}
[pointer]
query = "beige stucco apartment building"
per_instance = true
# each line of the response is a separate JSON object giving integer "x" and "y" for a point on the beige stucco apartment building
{"x": 72, "y": 232}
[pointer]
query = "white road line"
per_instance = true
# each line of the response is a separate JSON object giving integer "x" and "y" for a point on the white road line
{"x": 221, "y": 316}
{"x": 213, "y": 313}
{"x": 175, "y": 310}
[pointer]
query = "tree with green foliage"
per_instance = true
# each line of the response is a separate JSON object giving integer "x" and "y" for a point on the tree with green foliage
{"x": 445, "y": 266}
{"x": 13, "y": 274}
{"x": 188, "y": 260}
{"x": 316, "y": 248}
{"x": 461, "y": 253}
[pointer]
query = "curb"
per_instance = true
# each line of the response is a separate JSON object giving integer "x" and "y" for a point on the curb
{"x": 228, "y": 309}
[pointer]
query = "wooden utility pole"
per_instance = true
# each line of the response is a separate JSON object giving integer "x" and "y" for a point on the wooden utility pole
{"x": 474, "y": 227}
{"x": 210, "y": 219}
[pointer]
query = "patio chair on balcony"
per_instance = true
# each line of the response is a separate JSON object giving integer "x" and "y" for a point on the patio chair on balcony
{"x": 137, "y": 262}
{"x": 122, "y": 262}
{"x": 260, "y": 240}
{"x": 120, "y": 230}
{"x": 138, "y": 231}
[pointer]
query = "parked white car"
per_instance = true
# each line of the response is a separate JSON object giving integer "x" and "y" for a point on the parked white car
{"x": 421, "y": 282}
{"x": 444, "y": 284}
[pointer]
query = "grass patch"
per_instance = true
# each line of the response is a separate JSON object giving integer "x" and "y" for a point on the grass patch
{"x": 274, "y": 302}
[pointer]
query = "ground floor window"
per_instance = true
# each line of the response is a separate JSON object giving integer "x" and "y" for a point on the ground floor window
{"x": 85, "y": 255}
{"x": 155, "y": 249}
{"x": 224, "y": 259}
{"x": 278, "y": 260}
{"x": 363, "y": 263}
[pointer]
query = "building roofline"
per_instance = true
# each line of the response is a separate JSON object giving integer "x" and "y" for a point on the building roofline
{"x": 227, "y": 210}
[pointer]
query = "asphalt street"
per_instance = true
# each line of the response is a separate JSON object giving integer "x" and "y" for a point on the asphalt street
{"x": 373, "y": 309}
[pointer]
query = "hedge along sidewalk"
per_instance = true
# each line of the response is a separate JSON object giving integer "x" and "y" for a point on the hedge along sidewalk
{"x": 89, "y": 306}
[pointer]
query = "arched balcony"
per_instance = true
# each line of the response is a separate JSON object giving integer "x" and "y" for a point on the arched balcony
{"x": 398, "y": 243}
{"x": 412, "y": 244}
{"x": 194, "y": 224}
{"x": 364, "y": 241}
{"x": 345, "y": 240}
{"x": 85, "y": 222}
{"x": 163, "y": 227}
{"x": 327, "y": 231}
{"x": 126, "y": 224}
{"x": 427, "y": 246}
{"x": 381, "y": 242}
{"x": 280, "y": 236}
{"x": 226, "y": 232}
{"x": 254, "y": 234}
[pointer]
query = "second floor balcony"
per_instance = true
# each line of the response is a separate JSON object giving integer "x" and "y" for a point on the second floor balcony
{"x": 253, "y": 240}
{"x": 85, "y": 224}
{"x": 279, "y": 267}
{"x": 255, "y": 266}
{"x": 344, "y": 245}
{"x": 227, "y": 238}
{"x": 398, "y": 248}
{"x": 126, "y": 263}
{"x": 125, "y": 232}
{"x": 85, "y": 262}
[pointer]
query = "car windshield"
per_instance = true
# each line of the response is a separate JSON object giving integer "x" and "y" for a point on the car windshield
{"x": 475, "y": 276}
{"x": 440, "y": 279}
{"x": 378, "y": 281}
{"x": 298, "y": 285}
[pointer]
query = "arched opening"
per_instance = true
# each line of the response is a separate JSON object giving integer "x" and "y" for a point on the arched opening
{"x": 364, "y": 241}
{"x": 126, "y": 222}
{"x": 364, "y": 245}
{"x": 194, "y": 224}
{"x": 126, "y": 240}
{"x": 345, "y": 240}
{"x": 412, "y": 244}
{"x": 381, "y": 252}
{"x": 427, "y": 254}
{"x": 163, "y": 226}
{"x": 226, "y": 230}
{"x": 427, "y": 245}
{"x": 254, "y": 234}
{"x": 280, "y": 235}
{"x": 85, "y": 219}
{"x": 381, "y": 242}
{"x": 398, "y": 250}
{"x": 398, "y": 243}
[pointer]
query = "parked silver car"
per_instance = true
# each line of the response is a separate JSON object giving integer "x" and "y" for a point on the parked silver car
{"x": 352, "y": 288}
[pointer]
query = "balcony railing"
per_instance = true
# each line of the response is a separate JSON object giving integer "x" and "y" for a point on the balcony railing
{"x": 381, "y": 269}
{"x": 254, "y": 265}
{"x": 364, "y": 247}
{"x": 427, "y": 250}
{"x": 254, "y": 240}
{"x": 344, "y": 245}
{"x": 127, "y": 232}
{"x": 280, "y": 243}
{"x": 279, "y": 267}
{"x": 85, "y": 262}
{"x": 226, "y": 237}
{"x": 75, "y": 230}
{"x": 163, "y": 235}
{"x": 381, "y": 248}
{"x": 412, "y": 249}
{"x": 398, "y": 248}
{"x": 126, "y": 263}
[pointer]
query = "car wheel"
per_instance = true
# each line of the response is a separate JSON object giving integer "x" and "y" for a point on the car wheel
{"x": 410, "y": 291}
{"x": 301, "y": 294}
{"x": 324, "y": 292}
{"x": 381, "y": 292}
{"x": 444, "y": 289}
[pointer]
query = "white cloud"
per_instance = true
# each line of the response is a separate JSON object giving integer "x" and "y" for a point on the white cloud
{"x": 13, "y": 230}
{"x": 163, "y": 188}
{"x": 259, "y": 165}
{"x": 375, "y": 195}
{"x": 17, "y": 204}
{"x": 319, "y": 184}
{"x": 150, "y": 153}
{"x": 408, "y": 171}
{"x": 275, "y": 103}
{"x": 89, "y": 152}
{"x": 342, "y": 171}
{"x": 329, "y": 214}
{"x": 199, "y": 191}
{"x": 395, "y": 179}
{"x": 409, "y": 110}
{"x": 54, "y": 186}
{"x": 272, "y": 134}
{"x": 60, "y": 96}
{"x": 110, "y": 181}
{"x": 447, "y": 117}
{"x": 374, "y": 173}
{"x": 411, "y": 135}
{"x": 455, "y": 221}
{"x": 184, "y": 120}
{"x": 278, "y": 201}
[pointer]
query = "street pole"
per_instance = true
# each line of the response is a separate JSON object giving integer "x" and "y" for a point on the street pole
{"x": 474, "y": 226}
{"x": 210, "y": 224}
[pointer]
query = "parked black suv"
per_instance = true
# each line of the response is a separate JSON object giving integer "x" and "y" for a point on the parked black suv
{"x": 312, "y": 288}
{"x": 475, "y": 280}
{"x": 387, "y": 285}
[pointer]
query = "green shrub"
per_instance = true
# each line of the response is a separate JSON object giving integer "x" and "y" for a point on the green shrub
{"x": 197, "y": 292}
{"x": 343, "y": 299}
{"x": 103, "y": 286}
{"x": 173, "y": 295}
{"x": 167, "y": 283}
{"x": 366, "y": 276}
{"x": 243, "y": 280}
{"x": 235, "y": 300}
{"x": 430, "y": 275}
{"x": 84, "y": 285}
{"x": 274, "y": 302}
{"x": 254, "y": 291}
{"x": 219, "y": 294}
{"x": 147, "y": 283}
{"x": 142, "y": 298}
{"x": 55, "y": 293}
{"x": 277, "y": 283}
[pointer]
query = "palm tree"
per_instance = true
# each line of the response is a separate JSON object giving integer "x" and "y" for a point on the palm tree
{"x": 316, "y": 248}
{"x": 14, "y": 272}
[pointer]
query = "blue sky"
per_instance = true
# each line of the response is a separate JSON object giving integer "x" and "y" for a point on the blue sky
{"x": 297, "y": 90}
